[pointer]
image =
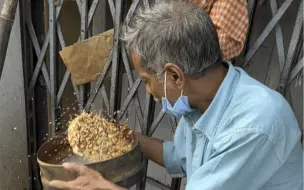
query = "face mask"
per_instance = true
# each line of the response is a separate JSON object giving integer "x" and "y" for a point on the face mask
{"x": 181, "y": 106}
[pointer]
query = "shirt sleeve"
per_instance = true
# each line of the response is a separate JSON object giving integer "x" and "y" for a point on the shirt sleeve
{"x": 246, "y": 160}
{"x": 172, "y": 160}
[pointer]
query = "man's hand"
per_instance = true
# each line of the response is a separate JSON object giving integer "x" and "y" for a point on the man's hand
{"x": 88, "y": 179}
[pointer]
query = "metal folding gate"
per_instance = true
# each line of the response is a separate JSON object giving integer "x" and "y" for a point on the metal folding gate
{"x": 41, "y": 83}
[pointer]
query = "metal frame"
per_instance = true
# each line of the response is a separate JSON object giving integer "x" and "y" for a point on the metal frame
{"x": 117, "y": 60}
{"x": 286, "y": 62}
{"x": 28, "y": 66}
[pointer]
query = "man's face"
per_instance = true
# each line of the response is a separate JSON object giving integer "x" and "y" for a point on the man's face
{"x": 152, "y": 84}
{"x": 156, "y": 87}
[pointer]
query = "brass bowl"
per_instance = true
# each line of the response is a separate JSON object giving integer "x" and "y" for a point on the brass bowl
{"x": 57, "y": 150}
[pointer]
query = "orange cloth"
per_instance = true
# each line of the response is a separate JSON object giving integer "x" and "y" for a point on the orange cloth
{"x": 230, "y": 18}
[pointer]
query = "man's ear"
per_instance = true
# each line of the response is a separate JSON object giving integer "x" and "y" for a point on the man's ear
{"x": 176, "y": 74}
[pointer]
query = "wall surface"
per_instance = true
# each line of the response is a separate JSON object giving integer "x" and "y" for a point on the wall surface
{"x": 13, "y": 144}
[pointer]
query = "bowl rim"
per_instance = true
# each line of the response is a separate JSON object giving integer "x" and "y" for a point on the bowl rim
{"x": 64, "y": 134}
{"x": 138, "y": 169}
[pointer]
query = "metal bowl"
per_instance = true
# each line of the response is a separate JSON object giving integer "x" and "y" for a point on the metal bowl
{"x": 57, "y": 150}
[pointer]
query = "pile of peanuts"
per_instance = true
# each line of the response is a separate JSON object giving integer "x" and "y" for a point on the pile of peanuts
{"x": 98, "y": 139}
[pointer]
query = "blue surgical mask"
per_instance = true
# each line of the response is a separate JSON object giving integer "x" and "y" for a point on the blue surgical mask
{"x": 181, "y": 106}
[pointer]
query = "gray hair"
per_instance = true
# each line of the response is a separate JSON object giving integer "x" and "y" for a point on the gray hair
{"x": 173, "y": 32}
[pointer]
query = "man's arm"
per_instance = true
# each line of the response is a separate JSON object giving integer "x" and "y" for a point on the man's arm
{"x": 152, "y": 148}
{"x": 164, "y": 153}
{"x": 230, "y": 19}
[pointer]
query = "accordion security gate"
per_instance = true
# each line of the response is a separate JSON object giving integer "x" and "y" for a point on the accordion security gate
{"x": 40, "y": 60}
{"x": 290, "y": 64}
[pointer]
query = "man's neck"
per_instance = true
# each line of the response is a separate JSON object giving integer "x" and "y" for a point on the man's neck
{"x": 204, "y": 89}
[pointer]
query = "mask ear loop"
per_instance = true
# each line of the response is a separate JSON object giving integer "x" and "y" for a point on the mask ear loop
{"x": 165, "y": 84}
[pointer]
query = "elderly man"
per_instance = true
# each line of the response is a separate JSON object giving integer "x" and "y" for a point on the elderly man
{"x": 234, "y": 133}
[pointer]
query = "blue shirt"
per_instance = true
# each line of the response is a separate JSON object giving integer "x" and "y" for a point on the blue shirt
{"x": 247, "y": 139}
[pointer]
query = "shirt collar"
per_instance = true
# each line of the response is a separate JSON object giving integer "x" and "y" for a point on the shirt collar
{"x": 207, "y": 123}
